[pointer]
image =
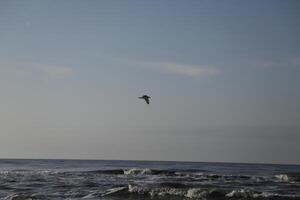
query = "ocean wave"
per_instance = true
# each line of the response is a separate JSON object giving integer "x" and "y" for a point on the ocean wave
{"x": 108, "y": 171}
{"x": 288, "y": 177}
{"x": 20, "y": 197}
{"x": 282, "y": 177}
{"x": 148, "y": 171}
{"x": 132, "y": 172}
{"x": 249, "y": 194}
{"x": 190, "y": 175}
{"x": 136, "y": 171}
{"x": 173, "y": 185}
{"x": 240, "y": 193}
{"x": 193, "y": 193}
{"x": 29, "y": 172}
{"x": 115, "y": 191}
{"x": 150, "y": 191}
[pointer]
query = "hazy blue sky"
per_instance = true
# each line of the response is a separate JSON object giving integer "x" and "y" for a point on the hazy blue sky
{"x": 224, "y": 77}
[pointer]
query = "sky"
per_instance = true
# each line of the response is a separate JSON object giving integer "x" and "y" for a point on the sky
{"x": 223, "y": 76}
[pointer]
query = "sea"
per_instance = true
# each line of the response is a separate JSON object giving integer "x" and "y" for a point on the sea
{"x": 136, "y": 180}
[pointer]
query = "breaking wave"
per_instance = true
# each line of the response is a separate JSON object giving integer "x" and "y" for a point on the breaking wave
{"x": 147, "y": 171}
{"x": 289, "y": 177}
{"x": 193, "y": 193}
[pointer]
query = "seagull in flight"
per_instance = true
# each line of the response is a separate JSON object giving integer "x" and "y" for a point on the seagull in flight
{"x": 146, "y": 98}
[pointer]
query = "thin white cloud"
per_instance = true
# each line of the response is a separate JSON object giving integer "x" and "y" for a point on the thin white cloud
{"x": 265, "y": 64}
{"x": 292, "y": 62}
{"x": 36, "y": 69}
{"x": 194, "y": 71}
{"x": 54, "y": 70}
{"x": 296, "y": 62}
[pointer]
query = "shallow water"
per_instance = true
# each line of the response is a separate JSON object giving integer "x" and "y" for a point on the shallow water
{"x": 114, "y": 180}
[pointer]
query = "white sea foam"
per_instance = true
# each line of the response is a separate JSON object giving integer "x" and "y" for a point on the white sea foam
{"x": 156, "y": 191}
{"x": 240, "y": 193}
{"x": 195, "y": 193}
{"x": 171, "y": 191}
{"x": 134, "y": 189}
{"x": 283, "y": 177}
{"x": 265, "y": 195}
{"x": 136, "y": 171}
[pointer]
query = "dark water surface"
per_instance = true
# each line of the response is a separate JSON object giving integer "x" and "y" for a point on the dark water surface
{"x": 116, "y": 180}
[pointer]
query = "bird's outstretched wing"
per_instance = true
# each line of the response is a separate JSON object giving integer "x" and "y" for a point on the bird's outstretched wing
{"x": 147, "y": 100}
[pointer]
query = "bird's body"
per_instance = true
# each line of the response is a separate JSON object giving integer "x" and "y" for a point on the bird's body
{"x": 146, "y": 98}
